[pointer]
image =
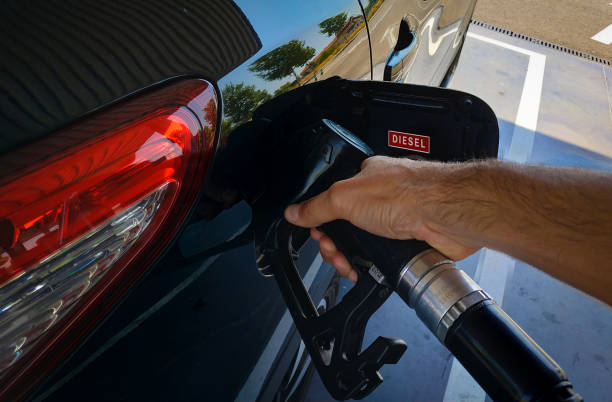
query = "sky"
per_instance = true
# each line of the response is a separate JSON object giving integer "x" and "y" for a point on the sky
{"x": 278, "y": 22}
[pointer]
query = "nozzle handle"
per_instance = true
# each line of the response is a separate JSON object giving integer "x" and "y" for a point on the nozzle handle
{"x": 387, "y": 255}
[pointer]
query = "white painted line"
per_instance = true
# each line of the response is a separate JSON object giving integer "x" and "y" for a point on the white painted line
{"x": 526, "y": 121}
{"x": 502, "y": 44}
{"x": 252, "y": 386}
{"x": 604, "y": 36}
{"x": 494, "y": 268}
{"x": 603, "y": 70}
{"x": 492, "y": 272}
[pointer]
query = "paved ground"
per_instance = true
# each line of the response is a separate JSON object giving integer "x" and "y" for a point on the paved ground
{"x": 553, "y": 108}
{"x": 381, "y": 28}
{"x": 569, "y": 23}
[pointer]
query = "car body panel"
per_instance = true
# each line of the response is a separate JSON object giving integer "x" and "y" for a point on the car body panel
{"x": 64, "y": 60}
{"x": 438, "y": 28}
{"x": 204, "y": 323}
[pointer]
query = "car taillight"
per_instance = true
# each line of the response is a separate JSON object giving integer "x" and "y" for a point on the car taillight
{"x": 84, "y": 212}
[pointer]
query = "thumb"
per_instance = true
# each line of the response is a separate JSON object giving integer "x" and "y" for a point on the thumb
{"x": 313, "y": 212}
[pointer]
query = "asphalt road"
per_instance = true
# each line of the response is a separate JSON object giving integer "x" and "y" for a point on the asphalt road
{"x": 568, "y": 23}
{"x": 383, "y": 27}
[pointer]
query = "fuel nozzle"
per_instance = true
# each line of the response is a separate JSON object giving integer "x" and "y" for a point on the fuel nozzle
{"x": 322, "y": 133}
{"x": 505, "y": 361}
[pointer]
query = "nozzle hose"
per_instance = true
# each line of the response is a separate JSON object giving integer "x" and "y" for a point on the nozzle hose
{"x": 501, "y": 357}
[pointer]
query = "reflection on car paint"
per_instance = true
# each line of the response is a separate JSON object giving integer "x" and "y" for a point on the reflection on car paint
{"x": 280, "y": 67}
{"x": 225, "y": 302}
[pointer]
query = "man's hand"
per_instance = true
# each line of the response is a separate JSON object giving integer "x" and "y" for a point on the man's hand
{"x": 390, "y": 197}
{"x": 557, "y": 219}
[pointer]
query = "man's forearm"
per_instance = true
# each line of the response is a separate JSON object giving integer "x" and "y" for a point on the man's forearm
{"x": 557, "y": 219}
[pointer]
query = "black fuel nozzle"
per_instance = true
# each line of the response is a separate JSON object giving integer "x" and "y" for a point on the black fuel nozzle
{"x": 501, "y": 357}
{"x": 327, "y": 153}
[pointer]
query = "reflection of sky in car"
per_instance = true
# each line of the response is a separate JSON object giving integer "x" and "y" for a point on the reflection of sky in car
{"x": 290, "y": 18}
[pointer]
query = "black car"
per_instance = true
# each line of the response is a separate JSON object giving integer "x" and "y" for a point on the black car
{"x": 127, "y": 262}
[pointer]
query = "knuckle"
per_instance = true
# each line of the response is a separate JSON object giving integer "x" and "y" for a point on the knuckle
{"x": 336, "y": 194}
{"x": 335, "y": 190}
{"x": 305, "y": 209}
{"x": 372, "y": 160}
{"x": 367, "y": 162}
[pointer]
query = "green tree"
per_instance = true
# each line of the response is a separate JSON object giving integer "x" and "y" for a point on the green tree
{"x": 280, "y": 62}
{"x": 332, "y": 25}
{"x": 285, "y": 87}
{"x": 240, "y": 100}
{"x": 226, "y": 127}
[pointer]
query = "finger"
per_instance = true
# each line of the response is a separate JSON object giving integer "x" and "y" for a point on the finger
{"x": 342, "y": 271}
{"x": 333, "y": 257}
{"x": 316, "y": 234}
{"x": 337, "y": 260}
{"x": 315, "y": 211}
{"x": 342, "y": 265}
{"x": 326, "y": 251}
{"x": 327, "y": 244}
{"x": 327, "y": 257}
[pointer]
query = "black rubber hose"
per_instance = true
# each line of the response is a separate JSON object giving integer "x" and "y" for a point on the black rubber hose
{"x": 504, "y": 360}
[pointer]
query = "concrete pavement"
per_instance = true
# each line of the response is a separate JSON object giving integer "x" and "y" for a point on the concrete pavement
{"x": 568, "y": 23}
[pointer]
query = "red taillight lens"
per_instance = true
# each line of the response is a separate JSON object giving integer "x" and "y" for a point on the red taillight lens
{"x": 83, "y": 212}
